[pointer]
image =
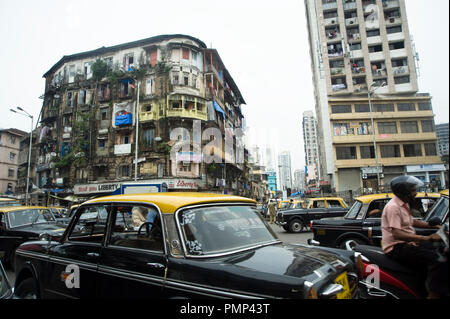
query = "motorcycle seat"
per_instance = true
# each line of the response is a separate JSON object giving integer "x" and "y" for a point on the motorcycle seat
{"x": 377, "y": 256}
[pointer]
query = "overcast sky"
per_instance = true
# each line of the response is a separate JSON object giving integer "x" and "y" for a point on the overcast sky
{"x": 264, "y": 45}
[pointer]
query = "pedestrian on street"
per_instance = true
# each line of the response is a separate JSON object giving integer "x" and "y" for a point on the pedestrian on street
{"x": 272, "y": 211}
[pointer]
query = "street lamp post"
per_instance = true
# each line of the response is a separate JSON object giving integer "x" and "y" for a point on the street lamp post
{"x": 369, "y": 92}
{"x": 25, "y": 113}
{"x": 137, "y": 133}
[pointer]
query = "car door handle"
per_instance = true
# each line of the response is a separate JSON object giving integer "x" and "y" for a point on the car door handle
{"x": 93, "y": 254}
{"x": 155, "y": 265}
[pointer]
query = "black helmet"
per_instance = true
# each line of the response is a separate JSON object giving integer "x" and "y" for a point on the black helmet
{"x": 403, "y": 186}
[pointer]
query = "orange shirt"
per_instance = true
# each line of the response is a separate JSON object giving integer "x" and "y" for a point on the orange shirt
{"x": 396, "y": 214}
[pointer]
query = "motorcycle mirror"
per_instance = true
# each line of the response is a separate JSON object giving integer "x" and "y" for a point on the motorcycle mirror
{"x": 434, "y": 221}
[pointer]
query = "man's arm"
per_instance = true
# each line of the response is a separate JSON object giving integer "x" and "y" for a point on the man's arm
{"x": 409, "y": 237}
{"x": 422, "y": 224}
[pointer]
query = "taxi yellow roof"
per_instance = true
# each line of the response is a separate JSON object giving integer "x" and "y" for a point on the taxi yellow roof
{"x": 171, "y": 202}
{"x": 368, "y": 198}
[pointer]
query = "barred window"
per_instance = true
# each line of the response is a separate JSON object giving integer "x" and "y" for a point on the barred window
{"x": 427, "y": 126}
{"x": 341, "y": 109}
{"x": 367, "y": 152}
{"x": 412, "y": 150}
{"x": 409, "y": 127}
{"x": 362, "y": 108}
{"x": 425, "y": 106}
{"x": 384, "y": 107}
{"x": 390, "y": 151}
{"x": 430, "y": 149}
{"x": 402, "y": 79}
{"x": 387, "y": 127}
{"x": 343, "y": 153}
{"x": 403, "y": 107}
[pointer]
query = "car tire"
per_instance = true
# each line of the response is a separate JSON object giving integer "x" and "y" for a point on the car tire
{"x": 356, "y": 240}
{"x": 27, "y": 289}
{"x": 296, "y": 225}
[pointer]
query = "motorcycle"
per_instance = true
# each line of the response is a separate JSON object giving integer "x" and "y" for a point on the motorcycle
{"x": 383, "y": 277}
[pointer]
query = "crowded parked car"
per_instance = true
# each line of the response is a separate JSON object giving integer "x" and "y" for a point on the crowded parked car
{"x": 22, "y": 223}
{"x": 298, "y": 219}
{"x": 362, "y": 223}
{"x": 181, "y": 245}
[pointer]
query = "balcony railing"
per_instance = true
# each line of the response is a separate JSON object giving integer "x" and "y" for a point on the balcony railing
{"x": 182, "y": 112}
{"x": 337, "y": 71}
{"x": 331, "y": 21}
{"x": 391, "y": 4}
{"x": 329, "y": 5}
{"x": 338, "y": 87}
{"x": 349, "y": 5}
{"x": 400, "y": 70}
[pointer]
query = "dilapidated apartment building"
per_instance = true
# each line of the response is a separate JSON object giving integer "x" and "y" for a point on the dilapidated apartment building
{"x": 87, "y": 132}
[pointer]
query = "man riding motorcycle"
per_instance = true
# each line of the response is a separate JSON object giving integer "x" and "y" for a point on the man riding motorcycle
{"x": 401, "y": 243}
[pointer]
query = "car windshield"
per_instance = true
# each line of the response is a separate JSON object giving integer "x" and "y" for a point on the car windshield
{"x": 211, "y": 230}
{"x": 29, "y": 216}
{"x": 439, "y": 209}
{"x": 354, "y": 210}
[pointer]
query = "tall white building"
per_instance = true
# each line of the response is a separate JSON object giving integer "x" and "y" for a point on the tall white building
{"x": 309, "y": 126}
{"x": 285, "y": 171}
{"x": 362, "y": 48}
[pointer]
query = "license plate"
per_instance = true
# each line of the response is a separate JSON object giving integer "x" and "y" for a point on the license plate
{"x": 343, "y": 281}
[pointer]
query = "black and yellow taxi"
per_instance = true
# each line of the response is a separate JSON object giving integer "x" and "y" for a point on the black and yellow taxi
{"x": 297, "y": 219}
{"x": 362, "y": 223}
{"x": 22, "y": 223}
{"x": 179, "y": 245}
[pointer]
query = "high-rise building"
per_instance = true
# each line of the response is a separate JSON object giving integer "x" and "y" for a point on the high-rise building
{"x": 364, "y": 71}
{"x": 309, "y": 126}
{"x": 299, "y": 180}
{"x": 285, "y": 171}
{"x": 442, "y": 132}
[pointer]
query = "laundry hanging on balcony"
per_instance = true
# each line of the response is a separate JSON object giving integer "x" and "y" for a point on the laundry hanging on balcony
{"x": 123, "y": 113}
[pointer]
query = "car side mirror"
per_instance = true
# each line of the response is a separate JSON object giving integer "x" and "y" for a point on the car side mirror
{"x": 434, "y": 221}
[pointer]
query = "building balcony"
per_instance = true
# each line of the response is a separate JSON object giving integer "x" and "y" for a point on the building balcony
{"x": 390, "y": 21}
{"x": 148, "y": 116}
{"x": 390, "y": 4}
{"x": 400, "y": 70}
{"x": 337, "y": 71}
{"x": 394, "y": 161}
{"x": 349, "y": 5}
{"x": 383, "y": 138}
{"x": 339, "y": 87}
{"x": 334, "y": 36}
{"x": 193, "y": 114}
{"x": 331, "y": 21}
{"x": 351, "y": 21}
{"x": 381, "y": 115}
{"x": 329, "y": 6}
